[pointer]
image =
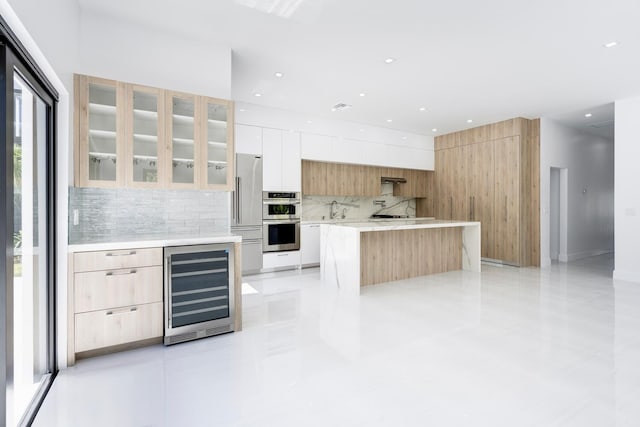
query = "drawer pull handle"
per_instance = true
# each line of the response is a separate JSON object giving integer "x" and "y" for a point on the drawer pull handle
{"x": 121, "y": 273}
{"x": 129, "y": 310}
{"x": 127, "y": 254}
{"x": 283, "y": 254}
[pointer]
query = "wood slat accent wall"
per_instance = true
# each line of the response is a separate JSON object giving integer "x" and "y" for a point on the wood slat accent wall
{"x": 387, "y": 256}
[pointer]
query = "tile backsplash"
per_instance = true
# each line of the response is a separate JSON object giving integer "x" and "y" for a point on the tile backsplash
{"x": 319, "y": 207}
{"x": 132, "y": 214}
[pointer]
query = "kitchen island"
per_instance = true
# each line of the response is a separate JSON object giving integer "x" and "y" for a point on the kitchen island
{"x": 353, "y": 255}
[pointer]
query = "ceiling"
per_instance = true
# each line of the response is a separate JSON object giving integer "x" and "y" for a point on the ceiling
{"x": 459, "y": 59}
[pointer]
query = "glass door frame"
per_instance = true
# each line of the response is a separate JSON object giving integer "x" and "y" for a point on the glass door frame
{"x": 14, "y": 59}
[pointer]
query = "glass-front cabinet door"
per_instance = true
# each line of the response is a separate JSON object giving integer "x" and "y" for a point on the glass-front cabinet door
{"x": 145, "y": 137}
{"x": 217, "y": 144}
{"x": 99, "y": 105}
{"x": 182, "y": 165}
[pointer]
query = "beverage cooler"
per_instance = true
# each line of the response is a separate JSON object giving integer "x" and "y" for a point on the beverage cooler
{"x": 199, "y": 291}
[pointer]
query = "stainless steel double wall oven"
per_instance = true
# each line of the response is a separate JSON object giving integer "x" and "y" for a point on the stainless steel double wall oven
{"x": 280, "y": 221}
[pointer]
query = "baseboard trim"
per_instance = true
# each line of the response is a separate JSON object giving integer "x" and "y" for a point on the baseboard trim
{"x": 585, "y": 254}
{"x": 626, "y": 275}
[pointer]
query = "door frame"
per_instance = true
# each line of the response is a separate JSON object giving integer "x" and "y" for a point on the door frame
{"x": 14, "y": 58}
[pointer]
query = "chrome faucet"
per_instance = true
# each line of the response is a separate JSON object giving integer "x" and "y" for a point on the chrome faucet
{"x": 333, "y": 210}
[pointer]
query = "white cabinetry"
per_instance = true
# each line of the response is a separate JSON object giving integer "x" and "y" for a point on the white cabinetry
{"x": 310, "y": 244}
{"x": 248, "y": 139}
{"x": 291, "y": 163}
{"x": 281, "y": 167}
{"x": 318, "y": 147}
{"x": 345, "y": 150}
{"x": 274, "y": 260}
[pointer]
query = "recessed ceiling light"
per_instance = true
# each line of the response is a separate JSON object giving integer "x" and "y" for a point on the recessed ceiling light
{"x": 309, "y": 121}
{"x": 257, "y": 94}
{"x": 588, "y": 115}
{"x": 361, "y": 130}
{"x": 389, "y": 60}
{"x": 469, "y": 121}
{"x": 422, "y": 108}
{"x": 389, "y": 120}
{"x": 363, "y": 94}
{"x": 404, "y": 137}
{"x": 278, "y": 74}
{"x": 610, "y": 44}
{"x": 242, "y": 110}
{"x": 434, "y": 130}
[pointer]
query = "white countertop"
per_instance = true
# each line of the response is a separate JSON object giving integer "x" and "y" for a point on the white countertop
{"x": 155, "y": 243}
{"x": 363, "y": 220}
{"x": 404, "y": 224}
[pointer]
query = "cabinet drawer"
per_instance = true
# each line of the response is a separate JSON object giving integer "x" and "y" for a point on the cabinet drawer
{"x": 104, "y": 328}
{"x": 281, "y": 259}
{"x": 109, "y": 260}
{"x": 97, "y": 290}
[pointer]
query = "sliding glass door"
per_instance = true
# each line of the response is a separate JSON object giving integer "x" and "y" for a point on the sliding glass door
{"x": 26, "y": 234}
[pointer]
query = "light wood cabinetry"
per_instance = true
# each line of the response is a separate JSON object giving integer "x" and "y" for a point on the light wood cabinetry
{"x": 507, "y": 199}
{"x": 137, "y": 136}
{"x": 115, "y": 299}
{"x": 99, "y": 111}
{"x": 489, "y": 174}
{"x": 344, "y": 179}
{"x": 216, "y": 144}
{"x": 481, "y": 192}
{"x": 145, "y": 152}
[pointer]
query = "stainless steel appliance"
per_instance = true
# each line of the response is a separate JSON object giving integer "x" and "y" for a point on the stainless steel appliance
{"x": 246, "y": 210}
{"x": 281, "y": 221}
{"x": 198, "y": 291}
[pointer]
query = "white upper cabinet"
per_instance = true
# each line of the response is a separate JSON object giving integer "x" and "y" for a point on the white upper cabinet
{"x": 344, "y": 150}
{"x": 281, "y": 167}
{"x": 248, "y": 139}
{"x": 292, "y": 166}
{"x": 271, "y": 159}
{"x": 318, "y": 147}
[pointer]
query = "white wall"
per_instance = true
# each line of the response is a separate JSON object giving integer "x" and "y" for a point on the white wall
{"x": 627, "y": 193}
{"x": 344, "y": 141}
{"x": 119, "y": 50}
{"x": 53, "y": 25}
{"x": 590, "y": 166}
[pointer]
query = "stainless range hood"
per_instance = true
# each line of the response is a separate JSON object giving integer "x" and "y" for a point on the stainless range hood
{"x": 388, "y": 179}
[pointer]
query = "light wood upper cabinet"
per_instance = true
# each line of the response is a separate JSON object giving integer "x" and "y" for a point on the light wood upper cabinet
{"x": 344, "y": 179}
{"x": 137, "y": 136}
{"x": 183, "y": 135}
{"x": 217, "y": 144}
{"x": 144, "y": 142}
{"x": 100, "y": 128}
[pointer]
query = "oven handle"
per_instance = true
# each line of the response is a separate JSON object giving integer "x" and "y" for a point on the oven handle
{"x": 281, "y": 202}
{"x": 280, "y": 221}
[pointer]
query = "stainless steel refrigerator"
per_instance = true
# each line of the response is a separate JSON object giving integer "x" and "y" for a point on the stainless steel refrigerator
{"x": 246, "y": 210}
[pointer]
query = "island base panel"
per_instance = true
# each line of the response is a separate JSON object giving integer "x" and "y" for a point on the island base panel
{"x": 387, "y": 256}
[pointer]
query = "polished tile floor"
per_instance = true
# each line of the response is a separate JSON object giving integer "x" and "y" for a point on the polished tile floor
{"x": 505, "y": 347}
